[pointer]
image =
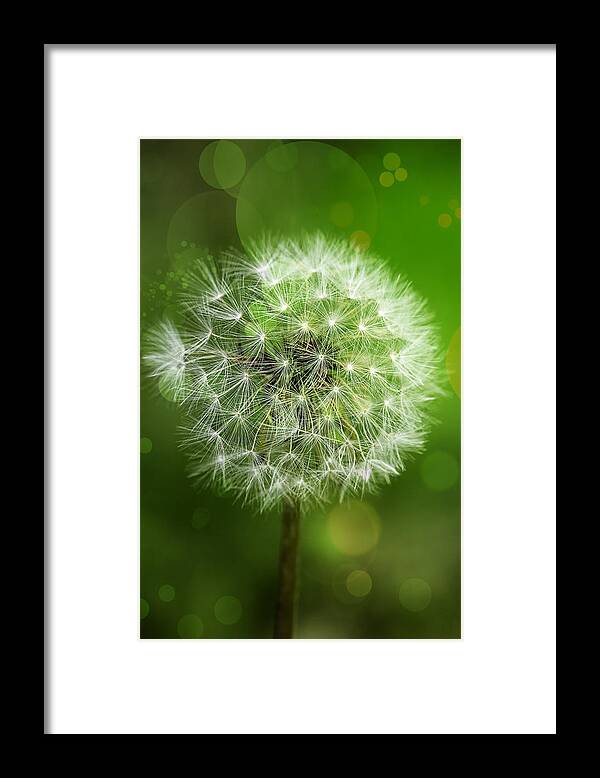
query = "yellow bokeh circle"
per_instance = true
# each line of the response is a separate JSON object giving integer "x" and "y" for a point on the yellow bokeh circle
{"x": 359, "y": 583}
{"x": 453, "y": 362}
{"x": 361, "y": 239}
{"x": 354, "y": 527}
{"x": 391, "y": 161}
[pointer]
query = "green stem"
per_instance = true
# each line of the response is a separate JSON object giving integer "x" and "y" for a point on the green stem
{"x": 288, "y": 563}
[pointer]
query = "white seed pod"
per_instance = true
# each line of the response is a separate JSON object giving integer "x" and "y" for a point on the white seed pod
{"x": 306, "y": 372}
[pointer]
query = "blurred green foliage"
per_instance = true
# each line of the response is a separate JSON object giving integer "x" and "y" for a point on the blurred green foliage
{"x": 389, "y": 568}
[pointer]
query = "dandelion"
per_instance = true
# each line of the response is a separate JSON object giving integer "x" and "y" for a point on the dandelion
{"x": 306, "y": 374}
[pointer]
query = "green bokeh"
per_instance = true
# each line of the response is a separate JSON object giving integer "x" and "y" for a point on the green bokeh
{"x": 359, "y": 583}
{"x": 228, "y": 610}
{"x": 166, "y": 593}
{"x": 325, "y": 189}
{"x": 190, "y": 626}
{"x": 415, "y": 594}
{"x": 440, "y": 470}
{"x": 206, "y": 547}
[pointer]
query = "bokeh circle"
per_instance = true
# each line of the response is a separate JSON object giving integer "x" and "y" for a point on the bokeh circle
{"x": 305, "y": 186}
{"x": 453, "y": 362}
{"x": 354, "y": 527}
{"x": 207, "y": 221}
{"x": 415, "y": 594}
{"x": 359, "y": 583}
{"x": 440, "y": 471}
{"x": 166, "y": 593}
{"x": 228, "y": 610}
{"x": 222, "y": 164}
{"x": 190, "y": 626}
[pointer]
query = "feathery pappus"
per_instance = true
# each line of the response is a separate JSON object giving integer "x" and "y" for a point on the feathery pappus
{"x": 306, "y": 372}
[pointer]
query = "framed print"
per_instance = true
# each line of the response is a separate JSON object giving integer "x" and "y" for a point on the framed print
{"x": 301, "y": 322}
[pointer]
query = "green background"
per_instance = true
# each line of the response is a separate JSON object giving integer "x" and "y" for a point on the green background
{"x": 209, "y": 566}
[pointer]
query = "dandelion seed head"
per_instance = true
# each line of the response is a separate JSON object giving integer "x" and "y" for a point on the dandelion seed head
{"x": 303, "y": 371}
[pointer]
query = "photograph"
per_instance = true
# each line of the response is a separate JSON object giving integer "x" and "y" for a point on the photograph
{"x": 300, "y": 388}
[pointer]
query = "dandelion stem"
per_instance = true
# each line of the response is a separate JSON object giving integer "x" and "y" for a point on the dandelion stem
{"x": 288, "y": 559}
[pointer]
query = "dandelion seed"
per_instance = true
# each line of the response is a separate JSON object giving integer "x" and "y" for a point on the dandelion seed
{"x": 275, "y": 414}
